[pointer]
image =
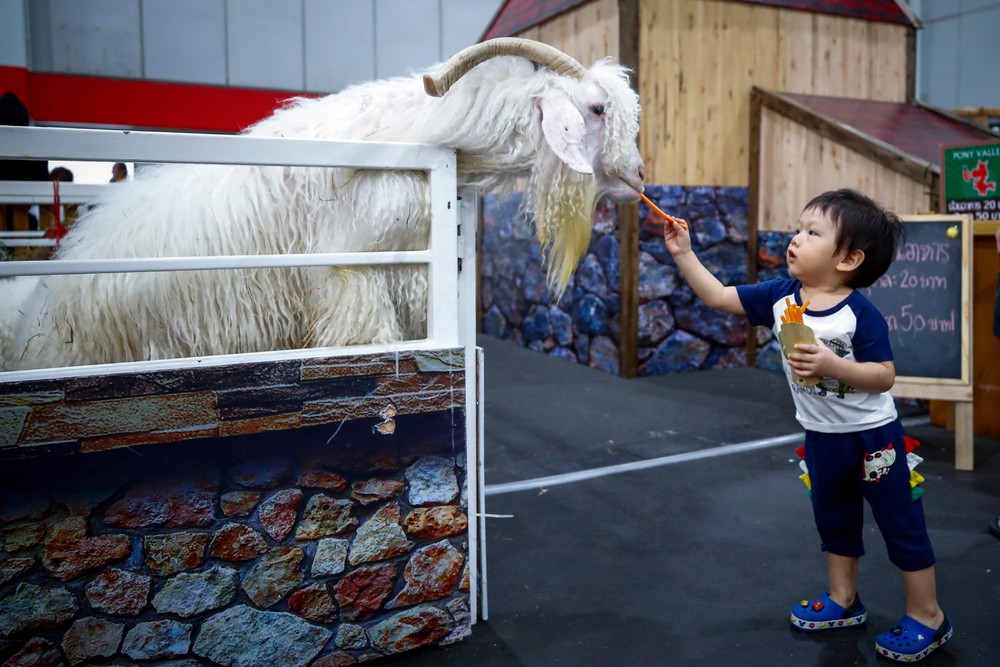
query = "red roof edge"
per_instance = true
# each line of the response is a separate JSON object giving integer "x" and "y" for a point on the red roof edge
{"x": 515, "y": 16}
{"x": 885, "y": 11}
{"x": 518, "y": 15}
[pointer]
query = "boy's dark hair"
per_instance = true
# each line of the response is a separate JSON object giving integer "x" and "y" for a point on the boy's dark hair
{"x": 862, "y": 224}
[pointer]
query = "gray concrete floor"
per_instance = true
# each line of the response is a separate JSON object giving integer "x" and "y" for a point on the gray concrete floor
{"x": 696, "y": 562}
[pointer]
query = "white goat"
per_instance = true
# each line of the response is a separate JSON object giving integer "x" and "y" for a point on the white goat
{"x": 569, "y": 130}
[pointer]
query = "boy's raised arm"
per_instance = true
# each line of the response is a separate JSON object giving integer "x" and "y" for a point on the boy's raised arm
{"x": 708, "y": 288}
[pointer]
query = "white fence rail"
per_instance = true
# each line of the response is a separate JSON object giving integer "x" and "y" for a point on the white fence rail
{"x": 73, "y": 144}
{"x": 40, "y": 192}
{"x": 32, "y": 193}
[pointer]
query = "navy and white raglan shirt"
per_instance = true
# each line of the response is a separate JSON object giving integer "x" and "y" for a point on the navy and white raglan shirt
{"x": 854, "y": 329}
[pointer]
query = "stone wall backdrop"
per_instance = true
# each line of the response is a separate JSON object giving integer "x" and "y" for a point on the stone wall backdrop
{"x": 676, "y": 331}
{"x": 583, "y": 326}
{"x": 770, "y": 264}
{"x": 281, "y": 514}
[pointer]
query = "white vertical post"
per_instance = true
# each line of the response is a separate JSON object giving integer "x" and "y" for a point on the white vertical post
{"x": 468, "y": 217}
{"x": 484, "y": 610}
{"x": 442, "y": 293}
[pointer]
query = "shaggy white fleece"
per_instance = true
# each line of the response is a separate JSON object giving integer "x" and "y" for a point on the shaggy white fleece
{"x": 491, "y": 116}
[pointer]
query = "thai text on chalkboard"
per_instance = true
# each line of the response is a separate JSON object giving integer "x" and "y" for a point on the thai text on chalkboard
{"x": 924, "y": 297}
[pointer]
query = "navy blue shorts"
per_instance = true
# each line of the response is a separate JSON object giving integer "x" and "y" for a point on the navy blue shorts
{"x": 847, "y": 468}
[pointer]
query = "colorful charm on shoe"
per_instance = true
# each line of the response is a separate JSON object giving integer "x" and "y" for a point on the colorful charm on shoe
{"x": 825, "y": 614}
{"x": 909, "y": 641}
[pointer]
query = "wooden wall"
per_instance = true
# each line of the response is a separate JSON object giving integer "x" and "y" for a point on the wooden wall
{"x": 588, "y": 32}
{"x": 784, "y": 145}
{"x": 985, "y": 346}
{"x": 698, "y": 60}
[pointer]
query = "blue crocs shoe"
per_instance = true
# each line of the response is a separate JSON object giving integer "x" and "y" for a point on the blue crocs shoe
{"x": 825, "y": 614}
{"x": 909, "y": 641}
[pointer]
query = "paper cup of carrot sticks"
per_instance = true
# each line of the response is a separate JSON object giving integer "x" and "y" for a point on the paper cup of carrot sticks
{"x": 793, "y": 332}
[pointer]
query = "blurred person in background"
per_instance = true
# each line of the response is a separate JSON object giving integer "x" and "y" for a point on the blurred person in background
{"x": 14, "y": 112}
{"x": 61, "y": 174}
{"x": 119, "y": 172}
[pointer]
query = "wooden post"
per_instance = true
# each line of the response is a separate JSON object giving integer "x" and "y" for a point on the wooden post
{"x": 960, "y": 414}
{"x": 628, "y": 214}
{"x": 911, "y": 65}
{"x": 628, "y": 261}
{"x": 753, "y": 208}
{"x": 964, "y": 459}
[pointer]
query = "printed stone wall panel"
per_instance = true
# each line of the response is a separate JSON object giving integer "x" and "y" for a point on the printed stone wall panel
{"x": 675, "y": 333}
{"x": 186, "y": 511}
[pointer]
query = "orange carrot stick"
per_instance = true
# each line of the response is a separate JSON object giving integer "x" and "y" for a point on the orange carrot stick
{"x": 656, "y": 208}
{"x": 794, "y": 312}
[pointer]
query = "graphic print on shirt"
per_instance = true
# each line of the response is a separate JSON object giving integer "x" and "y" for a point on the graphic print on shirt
{"x": 829, "y": 386}
{"x": 854, "y": 329}
{"x": 877, "y": 464}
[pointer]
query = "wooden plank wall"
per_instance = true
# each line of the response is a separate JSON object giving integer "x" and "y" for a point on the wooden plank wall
{"x": 699, "y": 59}
{"x": 831, "y": 165}
{"x": 985, "y": 346}
{"x": 588, "y": 32}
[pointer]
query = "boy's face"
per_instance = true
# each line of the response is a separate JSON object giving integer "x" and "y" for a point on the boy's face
{"x": 812, "y": 254}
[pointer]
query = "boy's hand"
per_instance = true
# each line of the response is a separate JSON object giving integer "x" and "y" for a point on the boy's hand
{"x": 820, "y": 361}
{"x": 814, "y": 360}
{"x": 677, "y": 238}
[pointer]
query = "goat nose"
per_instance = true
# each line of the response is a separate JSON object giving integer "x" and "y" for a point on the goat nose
{"x": 642, "y": 173}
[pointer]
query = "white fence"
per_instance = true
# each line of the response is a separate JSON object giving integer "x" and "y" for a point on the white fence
{"x": 41, "y": 193}
{"x": 444, "y": 247}
{"x": 450, "y": 256}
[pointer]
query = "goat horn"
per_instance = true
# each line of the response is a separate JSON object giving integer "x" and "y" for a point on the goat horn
{"x": 463, "y": 61}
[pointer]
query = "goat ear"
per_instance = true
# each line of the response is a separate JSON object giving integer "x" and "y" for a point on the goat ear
{"x": 565, "y": 132}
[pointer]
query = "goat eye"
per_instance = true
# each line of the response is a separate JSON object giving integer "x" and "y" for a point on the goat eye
{"x": 598, "y": 109}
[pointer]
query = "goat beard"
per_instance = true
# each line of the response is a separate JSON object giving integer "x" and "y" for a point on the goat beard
{"x": 563, "y": 203}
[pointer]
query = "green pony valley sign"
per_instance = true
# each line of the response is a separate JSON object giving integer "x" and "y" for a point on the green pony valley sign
{"x": 971, "y": 180}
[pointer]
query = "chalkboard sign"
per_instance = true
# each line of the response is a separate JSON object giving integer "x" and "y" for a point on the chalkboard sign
{"x": 925, "y": 296}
